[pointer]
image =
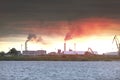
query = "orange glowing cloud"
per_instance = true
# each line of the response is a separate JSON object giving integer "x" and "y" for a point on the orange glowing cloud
{"x": 90, "y": 27}
{"x": 69, "y": 29}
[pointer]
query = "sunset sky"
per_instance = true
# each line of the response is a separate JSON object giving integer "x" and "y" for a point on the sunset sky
{"x": 88, "y": 23}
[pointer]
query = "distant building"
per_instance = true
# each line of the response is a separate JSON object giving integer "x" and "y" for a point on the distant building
{"x": 41, "y": 52}
{"x": 74, "y": 52}
{"x": 38, "y": 52}
{"x": 77, "y": 52}
{"x": 53, "y": 53}
{"x": 111, "y": 53}
{"x": 59, "y": 51}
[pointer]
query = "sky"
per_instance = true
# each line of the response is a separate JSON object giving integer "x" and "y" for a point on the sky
{"x": 50, "y": 23}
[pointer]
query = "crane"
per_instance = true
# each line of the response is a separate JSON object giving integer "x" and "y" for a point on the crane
{"x": 116, "y": 40}
{"x": 89, "y": 52}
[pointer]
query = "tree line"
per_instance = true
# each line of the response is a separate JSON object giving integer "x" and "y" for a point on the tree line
{"x": 12, "y": 52}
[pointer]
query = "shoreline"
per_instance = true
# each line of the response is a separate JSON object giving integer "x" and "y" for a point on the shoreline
{"x": 61, "y": 58}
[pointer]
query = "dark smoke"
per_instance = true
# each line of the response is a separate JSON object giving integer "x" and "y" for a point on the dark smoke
{"x": 41, "y": 40}
{"x": 29, "y": 38}
{"x": 33, "y": 37}
{"x": 68, "y": 36}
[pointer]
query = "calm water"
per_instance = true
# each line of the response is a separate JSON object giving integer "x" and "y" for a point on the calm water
{"x": 52, "y": 70}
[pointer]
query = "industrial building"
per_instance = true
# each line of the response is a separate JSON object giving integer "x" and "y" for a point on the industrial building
{"x": 70, "y": 51}
{"x": 78, "y": 52}
{"x": 38, "y": 52}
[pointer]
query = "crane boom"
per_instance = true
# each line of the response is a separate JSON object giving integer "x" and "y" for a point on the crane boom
{"x": 90, "y": 50}
{"x": 116, "y": 41}
{"x": 117, "y": 44}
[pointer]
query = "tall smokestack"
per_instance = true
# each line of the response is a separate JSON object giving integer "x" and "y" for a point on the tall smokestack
{"x": 30, "y": 37}
{"x": 64, "y": 46}
{"x": 68, "y": 36}
{"x": 26, "y": 45}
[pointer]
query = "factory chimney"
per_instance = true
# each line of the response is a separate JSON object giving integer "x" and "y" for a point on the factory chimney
{"x": 68, "y": 36}
{"x": 26, "y": 45}
{"x": 64, "y": 46}
{"x": 30, "y": 37}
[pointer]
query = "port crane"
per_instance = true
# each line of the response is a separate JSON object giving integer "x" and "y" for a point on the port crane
{"x": 89, "y": 52}
{"x": 116, "y": 40}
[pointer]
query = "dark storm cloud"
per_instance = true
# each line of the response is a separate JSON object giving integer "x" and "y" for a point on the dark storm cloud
{"x": 16, "y": 11}
{"x": 57, "y": 9}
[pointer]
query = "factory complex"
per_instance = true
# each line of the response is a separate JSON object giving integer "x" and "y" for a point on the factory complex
{"x": 60, "y": 52}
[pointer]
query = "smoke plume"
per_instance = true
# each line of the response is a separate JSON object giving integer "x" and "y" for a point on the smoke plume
{"x": 68, "y": 36}
{"x": 33, "y": 37}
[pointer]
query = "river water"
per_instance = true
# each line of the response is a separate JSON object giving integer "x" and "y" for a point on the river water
{"x": 59, "y": 70}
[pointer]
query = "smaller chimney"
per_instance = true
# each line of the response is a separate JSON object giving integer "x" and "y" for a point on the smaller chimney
{"x": 21, "y": 49}
{"x": 74, "y": 46}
